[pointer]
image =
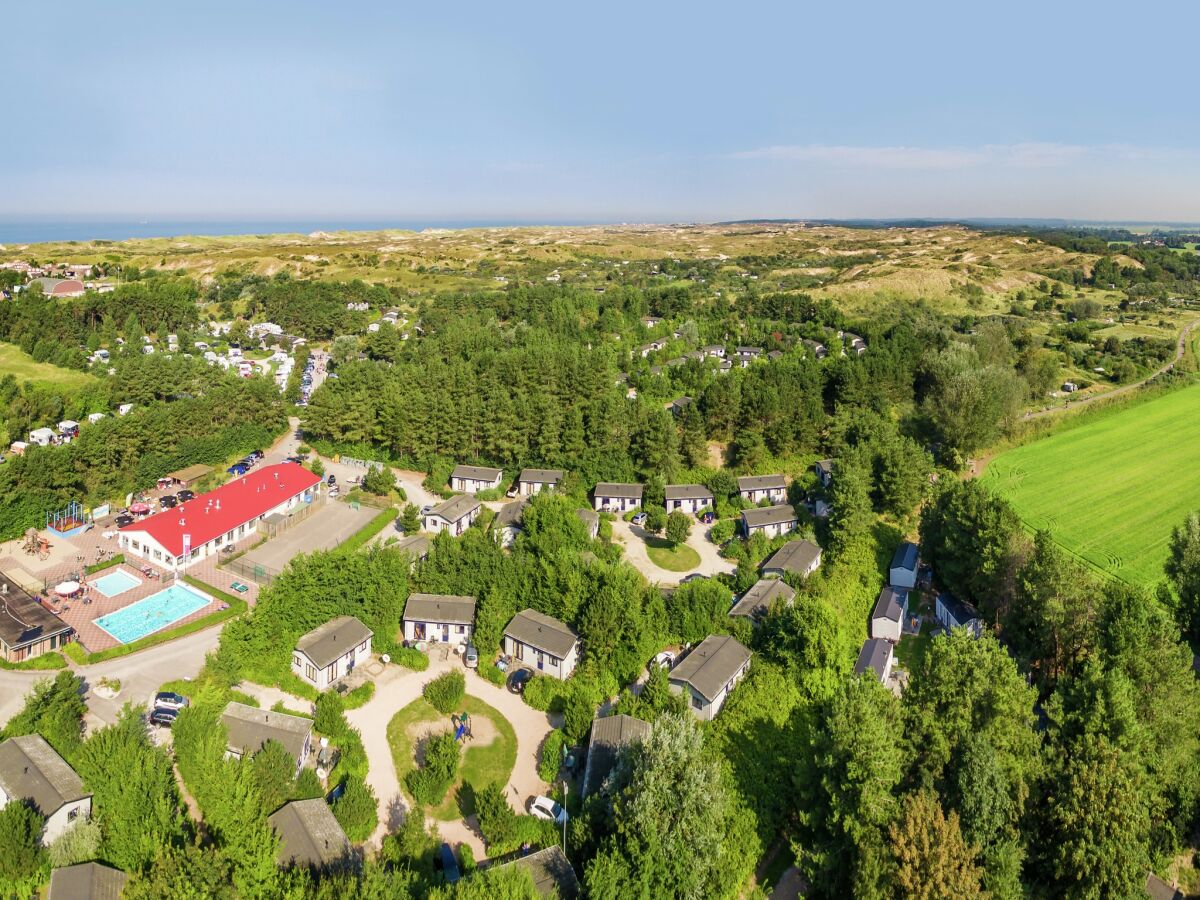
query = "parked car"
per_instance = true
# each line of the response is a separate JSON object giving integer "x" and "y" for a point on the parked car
{"x": 185, "y": 495}
{"x": 695, "y": 576}
{"x": 541, "y": 807}
{"x": 639, "y": 519}
{"x": 448, "y": 864}
{"x": 169, "y": 700}
{"x": 124, "y": 520}
{"x": 168, "y": 501}
{"x": 664, "y": 660}
{"x": 331, "y": 480}
{"x": 164, "y": 717}
{"x": 236, "y": 469}
{"x": 518, "y": 679}
{"x": 471, "y": 657}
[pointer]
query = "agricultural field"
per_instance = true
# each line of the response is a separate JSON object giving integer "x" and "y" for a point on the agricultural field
{"x": 16, "y": 362}
{"x": 1111, "y": 489}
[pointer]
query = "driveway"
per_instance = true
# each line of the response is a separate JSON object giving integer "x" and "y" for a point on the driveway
{"x": 140, "y": 674}
{"x": 632, "y": 538}
{"x": 395, "y": 689}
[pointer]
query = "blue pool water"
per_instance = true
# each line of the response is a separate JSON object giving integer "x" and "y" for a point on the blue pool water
{"x": 156, "y": 612}
{"x": 114, "y": 583}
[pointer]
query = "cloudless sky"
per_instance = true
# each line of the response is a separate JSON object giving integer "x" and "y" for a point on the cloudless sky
{"x": 649, "y": 111}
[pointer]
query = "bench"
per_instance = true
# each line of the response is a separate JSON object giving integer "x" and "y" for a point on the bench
{"x": 239, "y": 587}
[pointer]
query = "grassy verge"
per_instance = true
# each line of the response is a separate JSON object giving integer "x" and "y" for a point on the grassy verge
{"x": 45, "y": 662}
{"x": 481, "y": 764}
{"x": 911, "y": 650}
{"x": 107, "y": 564}
{"x": 674, "y": 559}
{"x": 235, "y": 607}
{"x": 376, "y": 525}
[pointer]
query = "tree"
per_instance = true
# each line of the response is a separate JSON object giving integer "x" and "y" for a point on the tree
{"x": 356, "y": 809}
{"x": 381, "y": 480}
{"x": 343, "y": 349}
{"x": 671, "y": 810}
{"x": 656, "y": 519}
{"x": 53, "y": 709}
{"x": 273, "y": 769}
{"x": 23, "y": 860}
{"x": 79, "y": 843}
{"x": 410, "y": 519}
{"x": 852, "y": 514}
{"x": 1183, "y": 571}
{"x": 183, "y": 873}
{"x": 932, "y": 859}
{"x": 679, "y": 526}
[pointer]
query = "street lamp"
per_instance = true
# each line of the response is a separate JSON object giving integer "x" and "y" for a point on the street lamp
{"x": 564, "y": 784}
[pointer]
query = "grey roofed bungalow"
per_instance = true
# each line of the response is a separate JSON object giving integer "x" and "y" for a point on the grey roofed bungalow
{"x": 687, "y": 492}
{"x": 617, "y": 489}
{"x": 250, "y": 728}
{"x": 711, "y": 665}
{"x": 761, "y": 483}
{"x": 541, "y": 476}
{"x": 328, "y": 643}
{"x": 780, "y": 514}
{"x": 757, "y": 601}
{"x": 442, "y": 609}
{"x": 476, "y": 473}
{"x": 890, "y": 605}
{"x": 457, "y": 507}
{"x": 31, "y": 769}
{"x": 309, "y": 834}
{"x": 542, "y": 632}
{"x": 794, "y": 556}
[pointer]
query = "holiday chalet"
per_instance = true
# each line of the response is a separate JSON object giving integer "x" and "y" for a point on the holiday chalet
{"x": 200, "y": 527}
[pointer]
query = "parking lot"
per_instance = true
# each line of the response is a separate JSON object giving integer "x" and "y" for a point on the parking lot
{"x": 327, "y": 527}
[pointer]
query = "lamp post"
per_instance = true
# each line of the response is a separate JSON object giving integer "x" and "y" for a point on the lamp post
{"x": 564, "y": 784}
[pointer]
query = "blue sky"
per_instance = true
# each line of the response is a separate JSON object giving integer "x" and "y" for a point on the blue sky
{"x": 600, "y": 112}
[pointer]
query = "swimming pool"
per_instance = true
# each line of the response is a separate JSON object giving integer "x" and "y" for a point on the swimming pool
{"x": 114, "y": 583}
{"x": 156, "y": 612}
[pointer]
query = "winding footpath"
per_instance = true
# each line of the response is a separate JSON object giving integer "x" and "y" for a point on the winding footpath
{"x": 395, "y": 689}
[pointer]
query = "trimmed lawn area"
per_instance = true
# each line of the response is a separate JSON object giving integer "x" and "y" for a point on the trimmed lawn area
{"x": 674, "y": 559}
{"x": 1110, "y": 490}
{"x": 911, "y": 650}
{"x": 481, "y": 763}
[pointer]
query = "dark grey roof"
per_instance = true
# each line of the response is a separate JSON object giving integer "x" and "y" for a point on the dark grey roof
{"x": 22, "y": 619}
{"x": 905, "y": 557}
{"x": 542, "y": 632}
{"x": 416, "y": 544}
{"x": 761, "y": 482}
{"x": 309, "y": 834}
{"x": 680, "y": 402}
{"x": 618, "y": 489}
{"x": 32, "y": 770}
{"x": 446, "y": 609}
{"x": 688, "y": 492}
{"x": 890, "y": 604}
{"x": 551, "y": 872}
{"x": 457, "y": 507}
{"x": 749, "y": 351}
{"x": 780, "y": 514}
{"x": 712, "y": 665}
{"x": 86, "y": 881}
{"x": 874, "y": 656}
{"x": 541, "y": 476}
{"x": 328, "y": 643}
{"x": 794, "y": 556}
{"x": 774, "y": 354}
{"x": 477, "y": 473}
{"x": 510, "y": 513}
{"x": 250, "y": 727}
{"x": 609, "y": 735}
{"x": 824, "y": 466}
{"x": 961, "y": 611}
{"x": 756, "y": 601}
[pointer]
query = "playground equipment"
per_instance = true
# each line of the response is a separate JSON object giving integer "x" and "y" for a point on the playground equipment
{"x": 69, "y": 520}
{"x": 35, "y": 544}
{"x": 462, "y": 726}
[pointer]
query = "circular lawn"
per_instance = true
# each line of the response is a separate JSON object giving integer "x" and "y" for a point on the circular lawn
{"x": 674, "y": 559}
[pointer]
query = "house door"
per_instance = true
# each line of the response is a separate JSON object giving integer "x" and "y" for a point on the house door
{"x": 419, "y": 631}
{"x": 541, "y": 663}
{"x": 445, "y": 633}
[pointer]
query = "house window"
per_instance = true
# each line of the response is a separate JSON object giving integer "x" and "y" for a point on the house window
{"x": 73, "y": 814}
{"x": 460, "y": 629}
{"x": 362, "y": 648}
{"x": 157, "y": 555}
{"x": 697, "y": 703}
{"x": 310, "y": 672}
{"x": 299, "y": 663}
{"x": 137, "y": 546}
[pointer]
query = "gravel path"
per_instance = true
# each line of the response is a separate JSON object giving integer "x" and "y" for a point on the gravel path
{"x": 632, "y": 538}
{"x": 395, "y": 689}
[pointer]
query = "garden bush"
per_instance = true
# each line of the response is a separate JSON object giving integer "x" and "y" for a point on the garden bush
{"x": 445, "y": 693}
{"x": 492, "y": 674}
{"x": 578, "y": 712}
{"x": 429, "y": 783}
{"x": 329, "y": 719}
{"x": 551, "y": 756}
{"x": 723, "y": 531}
{"x": 411, "y": 658}
{"x": 545, "y": 693}
{"x": 356, "y": 810}
{"x": 359, "y": 696}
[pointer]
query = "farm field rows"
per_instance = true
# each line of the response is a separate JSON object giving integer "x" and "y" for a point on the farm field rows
{"x": 1112, "y": 489}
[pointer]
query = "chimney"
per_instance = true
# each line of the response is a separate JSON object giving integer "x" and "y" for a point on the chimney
{"x": 218, "y": 504}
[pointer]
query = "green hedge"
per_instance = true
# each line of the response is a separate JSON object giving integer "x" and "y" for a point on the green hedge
{"x": 107, "y": 564}
{"x": 51, "y": 660}
{"x": 236, "y": 606}
{"x": 545, "y": 694}
{"x": 384, "y": 518}
{"x": 490, "y": 673}
{"x": 551, "y": 756}
{"x": 359, "y": 696}
{"x": 411, "y": 658}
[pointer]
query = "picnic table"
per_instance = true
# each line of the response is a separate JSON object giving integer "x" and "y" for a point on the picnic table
{"x": 239, "y": 587}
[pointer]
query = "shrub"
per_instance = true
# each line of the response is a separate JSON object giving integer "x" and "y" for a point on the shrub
{"x": 545, "y": 693}
{"x": 23, "y": 861}
{"x": 656, "y": 519}
{"x": 114, "y": 560}
{"x": 492, "y": 674}
{"x": 723, "y": 531}
{"x": 679, "y": 527}
{"x": 445, "y": 693}
{"x": 466, "y": 858}
{"x": 359, "y": 696}
{"x": 578, "y": 712}
{"x": 550, "y": 760}
{"x": 79, "y": 843}
{"x": 429, "y": 783}
{"x": 379, "y": 481}
{"x": 356, "y": 810}
{"x": 411, "y": 658}
{"x": 497, "y": 821}
{"x": 330, "y": 719}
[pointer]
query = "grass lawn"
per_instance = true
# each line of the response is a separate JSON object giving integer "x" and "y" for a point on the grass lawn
{"x": 911, "y": 650}
{"x": 674, "y": 559}
{"x": 23, "y": 367}
{"x": 1112, "y": 489}
{"x": 481, "y": 764}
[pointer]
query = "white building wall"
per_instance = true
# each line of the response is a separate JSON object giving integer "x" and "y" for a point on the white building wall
{"x": 902, "y": 577}
{"x": 775, "y": 495}
{"x": 617, "y": 504}
{"x": 438, "y": 632}
{"x": 688, "y": 505}
{"x": 542, "y": 662}
{"x": 883, "y": 627}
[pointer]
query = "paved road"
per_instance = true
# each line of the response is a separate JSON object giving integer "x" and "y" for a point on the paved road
{"x": 1180, "y": 347}
{"x": 395, "y": 689}
{"x": 633, "y": 539}
{"x": 140, "y": 674}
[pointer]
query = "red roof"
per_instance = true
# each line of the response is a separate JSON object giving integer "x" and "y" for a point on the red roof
{"x": 210, "y": 515}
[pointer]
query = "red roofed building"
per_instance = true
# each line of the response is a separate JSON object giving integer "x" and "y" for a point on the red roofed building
{"x": 203, "y": 525}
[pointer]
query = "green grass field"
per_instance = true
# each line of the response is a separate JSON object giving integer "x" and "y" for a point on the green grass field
{"x": 1112, "y": 489}
{"x": 21, "y": 365}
